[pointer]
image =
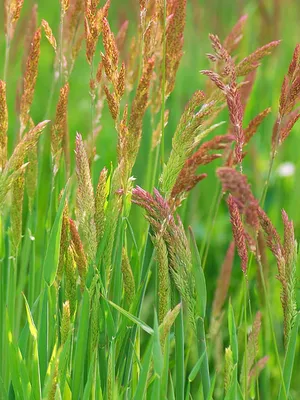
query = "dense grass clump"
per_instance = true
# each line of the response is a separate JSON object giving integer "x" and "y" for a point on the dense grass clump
{"x": 148, "y": 215}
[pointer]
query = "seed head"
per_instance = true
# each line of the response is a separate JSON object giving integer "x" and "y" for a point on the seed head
{"x": 238, "y": 232}
{"x": 3, "y": 125}
{"x": 30, "y": 79}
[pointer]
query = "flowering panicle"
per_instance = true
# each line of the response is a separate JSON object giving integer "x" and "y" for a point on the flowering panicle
{"x": 30, "y": 76}
{"x": 166, "y": 325}
{"x": 59, "y": 131}
{"x": 85, "y": 200}
{"x": 65, "y": 326}
{"x": 12, "y": 10}
{"x": 251, "y": 62}
{"x": 253, "y": 125}
{"x": 64, "y": 243}
{"x": 285, "y": 254}
{"x": 163, "y": 276}
{"x": 174, "y": 41}
{"x": 128, "y": 278}
{"x": 17, "y": 209}
{"x": 15, "y": 165}
{"x": 228, "y": 368}
{"x": 138, "y": 110}
{"x": 79, "y": 253}
{"x": 231, "y": 92}
{"x": 187, "y": 177}
{"x": 234, "y": 37}
{"x": 49, "y": 34}
{"x": 70, "y": 280}
{"x": 3, "y": 125}
{"x": 238, "y": 186}
{"x": 238, "y": 232}
{"x": 184, "y": 139}
{"x": 94, "y": 18}
{"x": 162, "y": 221}
{"x": 289, "y": 96}
{"x": 100, "y": 202}
{"x": 252, "y": 349}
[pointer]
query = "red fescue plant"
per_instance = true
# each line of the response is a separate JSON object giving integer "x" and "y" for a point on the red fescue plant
{"x": 94, "y": 302}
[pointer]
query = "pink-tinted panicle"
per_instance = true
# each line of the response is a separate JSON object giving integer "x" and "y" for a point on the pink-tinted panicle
{"x": 238, "y": 232}
{"x": 237, "y": 184}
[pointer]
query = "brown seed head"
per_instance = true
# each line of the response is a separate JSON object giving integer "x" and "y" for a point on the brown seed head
{"x": 49, "y": 34}
{"x": 30, "y": 79}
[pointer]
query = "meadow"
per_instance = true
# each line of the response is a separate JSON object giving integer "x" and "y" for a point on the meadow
{"x": 149, "y": 199}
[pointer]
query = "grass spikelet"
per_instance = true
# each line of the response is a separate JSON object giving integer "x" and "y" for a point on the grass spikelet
{"x": 254, "y": 124}
{"x": 128, "y": 279}
{"x": 285, "y": 255}
{"x": 65, "y": 4}
{"x": 59, "y": 131}
{"x": 79, "y": 254}
{"x": 228, "y": 369}
{"x": 162, "y": 221}
{"x": 17, "y": 210}
{"x": 138, "y": 110}
{"x": 70, "y": 280}
{"x": 85, "y": 200}
{"x": 64, "y": 244}
{"x": 238, "y": 232}
{"x": 251, "y": 62}
{"x": 3, "y": 125}
{"x": 237, "y": 184}
{"x": 100, "y": 201}
{"x": 65, "y": 326}
{"x": 15, "y": 167}
{"x": 187, "y": 178}
{"x": 231, "y": 92}
{"x": 168, "y": 321}
{"x": 233, "y": 39}
{"x": 174, "y": 42}
{"x": 183, "y": 140}
{"x": 163, "y": 277}
{"x": 49, "y": 34}
{"x": 30, "y": 77}
{"x": 252, "y": 349}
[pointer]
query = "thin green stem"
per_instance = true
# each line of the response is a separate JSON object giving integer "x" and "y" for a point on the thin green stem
{"x": 245, "y": 338}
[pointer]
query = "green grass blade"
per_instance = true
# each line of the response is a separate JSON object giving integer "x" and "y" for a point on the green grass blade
{"x": 142, "y": 385}
{"x": 36, "y": 379}
{"x": 53, "y": 248}
{"x": 132, "y": 318}
{"x": 288, "y": 366}
{"x": 81, "y": 346}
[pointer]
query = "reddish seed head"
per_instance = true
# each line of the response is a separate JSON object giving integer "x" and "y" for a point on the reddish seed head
{"x": 238, "y": 232}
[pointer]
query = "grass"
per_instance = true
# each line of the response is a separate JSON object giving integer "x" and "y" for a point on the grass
{"x": 99, "y": 302}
